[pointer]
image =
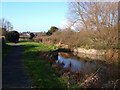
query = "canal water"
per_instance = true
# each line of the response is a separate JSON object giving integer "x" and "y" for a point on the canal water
{"x": 71, "y": 62}
{"x": 101, "y": 71}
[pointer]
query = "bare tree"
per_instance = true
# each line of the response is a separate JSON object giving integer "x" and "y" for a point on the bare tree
{"x": 6, "y": 24}
{"x": 97, "y": 15}
{"x": 100, "y": 17}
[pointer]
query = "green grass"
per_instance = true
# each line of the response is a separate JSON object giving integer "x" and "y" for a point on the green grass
{"x": 40, "y": 70}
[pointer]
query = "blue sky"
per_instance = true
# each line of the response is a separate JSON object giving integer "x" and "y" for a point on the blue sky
{"x": 35, "y": 16}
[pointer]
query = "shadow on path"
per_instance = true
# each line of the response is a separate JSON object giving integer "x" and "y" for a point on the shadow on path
{"x": 13, "y": 74}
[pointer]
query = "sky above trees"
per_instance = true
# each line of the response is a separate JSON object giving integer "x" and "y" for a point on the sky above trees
{"x": 35, "y": 16}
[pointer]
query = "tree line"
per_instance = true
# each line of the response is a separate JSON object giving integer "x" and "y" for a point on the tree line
{"x": 95, "y": 26}
{"x": 10, "y": 35}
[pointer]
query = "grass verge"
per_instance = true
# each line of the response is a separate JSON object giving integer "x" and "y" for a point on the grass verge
{"x": 40, "y": 70}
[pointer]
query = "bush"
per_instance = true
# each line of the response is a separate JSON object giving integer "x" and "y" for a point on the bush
{"x": 88, "y": 39}
{"x": 52, "y": 30}
{"x": 32, "y": 35}
{"x": 12, "y": 36}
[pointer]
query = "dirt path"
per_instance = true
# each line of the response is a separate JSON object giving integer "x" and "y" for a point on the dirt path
{"x": 13, "y": 74}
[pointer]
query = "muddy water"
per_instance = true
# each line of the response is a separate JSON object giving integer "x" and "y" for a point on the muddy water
{"x": 71, "y": 62}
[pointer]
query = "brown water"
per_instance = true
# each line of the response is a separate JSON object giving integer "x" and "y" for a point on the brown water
{"x": 75, "y": 65}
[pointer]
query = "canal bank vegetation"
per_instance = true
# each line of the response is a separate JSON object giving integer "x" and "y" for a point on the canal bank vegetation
{"x": 83, "y": 39}
{"x": 39, "y": 69}
{"x": 91, "y": 43}
{"x": 46, "y": 73}
{"x": 92, "y": 25}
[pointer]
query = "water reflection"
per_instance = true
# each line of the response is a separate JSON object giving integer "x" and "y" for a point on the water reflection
{"x": 76, "y": 65}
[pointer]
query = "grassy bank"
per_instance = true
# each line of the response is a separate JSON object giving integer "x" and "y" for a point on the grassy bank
{"x": 40, "y": 70}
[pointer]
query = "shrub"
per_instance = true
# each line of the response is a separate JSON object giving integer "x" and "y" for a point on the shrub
{"x": 12, "y": 36}
{"x": 88, "y": 39}
{"x": 32, "y": 35}
{"x": 52, "y": 30}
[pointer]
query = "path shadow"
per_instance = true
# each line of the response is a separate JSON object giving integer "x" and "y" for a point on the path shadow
{"x": 13, "y": 74}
